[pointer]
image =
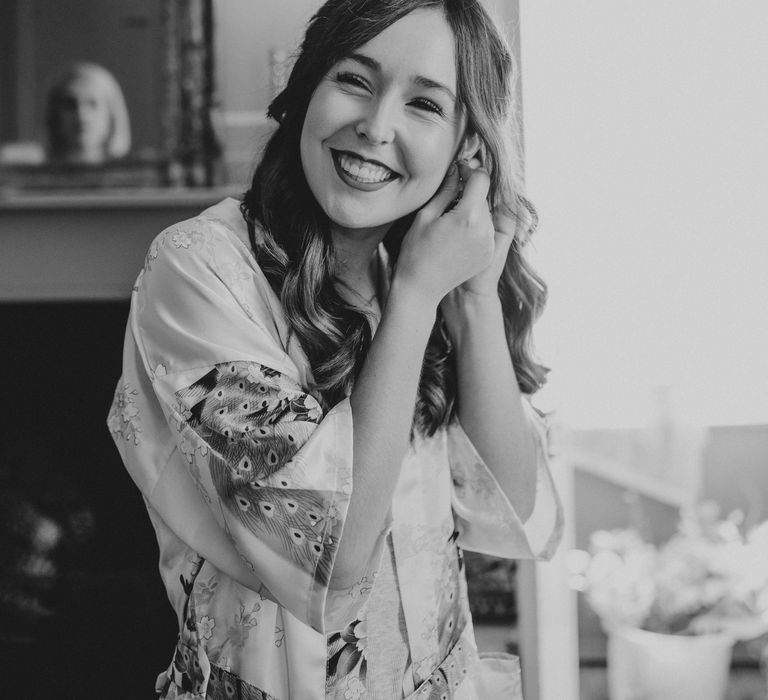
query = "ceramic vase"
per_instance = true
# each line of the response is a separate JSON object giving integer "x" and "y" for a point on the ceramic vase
{"x": 651, "y": 666}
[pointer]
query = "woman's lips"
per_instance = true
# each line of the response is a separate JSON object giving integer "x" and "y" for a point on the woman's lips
{"x": 362, "y": 173}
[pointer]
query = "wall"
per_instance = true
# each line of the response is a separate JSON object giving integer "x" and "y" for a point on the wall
{"x": 736, "y": 470}
{"x": 247, "y": 32}
{"x": 647, "y": 157}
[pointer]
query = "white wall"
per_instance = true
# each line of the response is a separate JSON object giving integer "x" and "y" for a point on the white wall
{"x": 647, "y": 157}
{"x": 247, "y": 31}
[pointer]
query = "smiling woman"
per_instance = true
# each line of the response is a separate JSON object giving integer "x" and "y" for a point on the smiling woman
{"x": 313, "y": 379}
{"x": 384, "y": 119}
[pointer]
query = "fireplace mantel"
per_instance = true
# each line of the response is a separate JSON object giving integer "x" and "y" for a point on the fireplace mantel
{"x": 78, "y": 246}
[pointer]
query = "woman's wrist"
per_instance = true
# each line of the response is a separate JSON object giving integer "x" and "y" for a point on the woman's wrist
{"x": 464, "y": 312}
{"x": 407, "y": 297}
{"x": 471, "y": 301}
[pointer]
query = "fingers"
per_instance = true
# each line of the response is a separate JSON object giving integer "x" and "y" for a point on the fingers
{"x": 445, "y": 195}
{"x": 501, "y": 245}
{"x": 504, "y": 223}
{"x": 477, "y": 182}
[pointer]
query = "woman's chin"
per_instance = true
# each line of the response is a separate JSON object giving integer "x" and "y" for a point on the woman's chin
{"x": 357, "y": 218}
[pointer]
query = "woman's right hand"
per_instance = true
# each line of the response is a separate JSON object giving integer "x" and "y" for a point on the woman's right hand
{"x": 443, "y": 249}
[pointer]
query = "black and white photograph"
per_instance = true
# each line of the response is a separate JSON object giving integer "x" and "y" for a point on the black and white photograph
{"x": 384, "y": 350}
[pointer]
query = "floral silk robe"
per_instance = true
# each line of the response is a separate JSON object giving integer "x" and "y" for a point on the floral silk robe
{"x": 247, "y": 483}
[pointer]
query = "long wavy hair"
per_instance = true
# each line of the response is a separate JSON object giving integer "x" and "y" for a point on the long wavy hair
{"x": 291, "y": 235}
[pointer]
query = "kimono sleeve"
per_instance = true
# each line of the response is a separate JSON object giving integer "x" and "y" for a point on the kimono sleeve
{"x": 485, "y": 518}
{"x": 274, "y": 470}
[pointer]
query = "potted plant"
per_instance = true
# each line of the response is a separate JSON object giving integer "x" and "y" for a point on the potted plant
{"x": 673, "y": 612}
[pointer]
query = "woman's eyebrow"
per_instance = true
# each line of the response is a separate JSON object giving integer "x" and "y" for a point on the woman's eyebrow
{"x": 422, "y": 80}
{"x": 429, "y": 83}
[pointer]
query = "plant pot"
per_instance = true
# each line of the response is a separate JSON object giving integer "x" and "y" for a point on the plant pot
{"x": 650, "y": 666}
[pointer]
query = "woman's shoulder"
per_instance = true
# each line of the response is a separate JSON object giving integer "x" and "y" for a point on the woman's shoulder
{"x": 219, "y": 228}
{"x": 211, "y": 244}
{"x": 228, "y": 218}
{"x": 202, "y": 275}
{"x": 210, "y": 251}
{"x": 210, "y": 256}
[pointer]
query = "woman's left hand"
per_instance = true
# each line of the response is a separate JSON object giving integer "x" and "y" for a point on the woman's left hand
{"x": 485, "y": 283}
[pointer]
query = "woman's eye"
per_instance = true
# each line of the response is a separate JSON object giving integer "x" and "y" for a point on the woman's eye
{"x": 427, "y": 105}
{"x": 351, "y": 79}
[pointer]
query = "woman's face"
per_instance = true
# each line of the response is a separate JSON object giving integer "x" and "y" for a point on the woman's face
{"x": 83, "y": 119}
{"x": 383, "y": 125}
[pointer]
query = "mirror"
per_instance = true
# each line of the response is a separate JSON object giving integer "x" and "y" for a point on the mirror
{"x": 85, "y": 117}
{"x": 106, "y": 94}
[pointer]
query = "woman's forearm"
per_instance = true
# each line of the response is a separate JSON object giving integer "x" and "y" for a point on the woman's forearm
{"x": 382, "y": 403}
{"x": 490, "y": 407}
{"x": 441, "y": 250}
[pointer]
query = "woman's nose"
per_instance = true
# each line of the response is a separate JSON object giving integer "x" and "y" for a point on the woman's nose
{"x": 83, "y": 111}
{"x": 377, "y": 125}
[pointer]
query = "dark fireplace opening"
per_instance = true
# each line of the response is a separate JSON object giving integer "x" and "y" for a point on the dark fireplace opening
{"x": 82, "y": 609}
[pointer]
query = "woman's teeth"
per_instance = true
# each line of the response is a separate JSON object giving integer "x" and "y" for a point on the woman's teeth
{"x": 363, "y": 171}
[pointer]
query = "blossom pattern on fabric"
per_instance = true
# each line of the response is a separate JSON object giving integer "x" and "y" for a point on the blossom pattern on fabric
{"x": 189, "y": 668}
{"x": 205, "y": 626}
{"x": 253, "y": 422}
{"x": 124, "y": 418}
{"x": 474, "y": 478}
{"x": 191, "y": 676}
{"x": 191, "y": 235}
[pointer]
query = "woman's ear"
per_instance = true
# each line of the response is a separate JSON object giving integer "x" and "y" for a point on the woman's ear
{"x": 469, "y": 148}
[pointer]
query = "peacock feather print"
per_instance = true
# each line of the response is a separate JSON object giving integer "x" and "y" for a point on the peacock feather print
{"x": 253, "y": 421}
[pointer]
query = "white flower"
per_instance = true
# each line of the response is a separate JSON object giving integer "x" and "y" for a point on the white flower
{"x": 129, "y": 411}
{"x": 361, "y": 635}
{"x": 187, "y": 449}
{"x": 355, "y": 689}
{"x": 254, "y": 374}
{"x": 113, "y": 422}
{"x": 707, "y": 578}
{"x": 181, "y": 239}
{"x": 205, "y": 626}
